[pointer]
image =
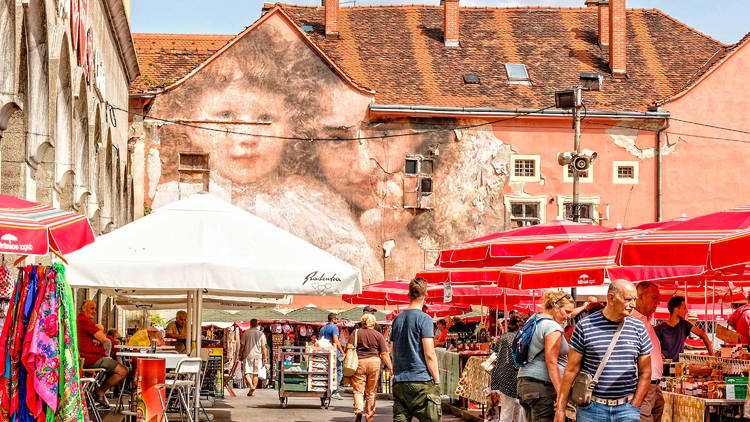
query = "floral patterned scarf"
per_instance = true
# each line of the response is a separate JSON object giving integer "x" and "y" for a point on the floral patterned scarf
{"x": 73, "y": 407}
{"x": 42, "y": 349}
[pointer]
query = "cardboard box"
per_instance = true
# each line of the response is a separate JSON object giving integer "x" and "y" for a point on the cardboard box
{"x": 736, "y": 388}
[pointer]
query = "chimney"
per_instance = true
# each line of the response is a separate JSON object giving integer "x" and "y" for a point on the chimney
{"x": 617, "y": 37}
{"x": 451, "y": 23}
{"x": 332, "y": 17}
{"x": 603, "y": 13}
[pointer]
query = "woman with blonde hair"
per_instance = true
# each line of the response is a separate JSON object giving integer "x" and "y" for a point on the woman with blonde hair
{"x": 540, "y": 379}
{"x": 371, "y": 348}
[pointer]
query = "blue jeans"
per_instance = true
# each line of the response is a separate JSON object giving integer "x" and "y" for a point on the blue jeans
{"x": 597, "y": 412}
{"x": 339, "y": 371}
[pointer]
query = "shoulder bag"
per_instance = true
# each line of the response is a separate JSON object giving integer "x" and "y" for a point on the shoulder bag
{"x": 583, "y": 385}
{"x": 351, "y": 360}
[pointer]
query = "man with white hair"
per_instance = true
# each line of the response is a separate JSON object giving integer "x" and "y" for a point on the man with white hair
{"x": 626, "y": 375}
{"x": 177, "y": 329}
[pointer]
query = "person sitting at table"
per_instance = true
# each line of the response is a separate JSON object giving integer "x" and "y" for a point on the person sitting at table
{"x": 144, "y": 337}
{"x": 177, "y": 329}
{"x": 90, "y": 346}
{"x": 112, "y": 341}
{"x": 673, "y": 332}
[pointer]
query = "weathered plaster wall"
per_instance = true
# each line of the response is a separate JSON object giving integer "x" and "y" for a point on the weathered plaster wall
{"x": 708, "y": 172}
{"x": 345, "y": 196}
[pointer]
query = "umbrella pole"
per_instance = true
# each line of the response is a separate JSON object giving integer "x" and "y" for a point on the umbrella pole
{"x": 189, "y": 334}
{"x": 199, "y": 318}
{"x": 505, "y": 310}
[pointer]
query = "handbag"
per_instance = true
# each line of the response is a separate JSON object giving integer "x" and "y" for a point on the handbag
{"x": 489, "y": 363}
{"x": 583, "y": 385}
{"x": 351, "y": 361}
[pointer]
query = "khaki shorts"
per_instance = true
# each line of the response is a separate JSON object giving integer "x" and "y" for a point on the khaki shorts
{"x": 253, "y": 365}
{"x": 108, "y": 364}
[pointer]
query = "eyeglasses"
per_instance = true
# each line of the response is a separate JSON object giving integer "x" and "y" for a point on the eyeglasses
{"x": 567, "y": 296}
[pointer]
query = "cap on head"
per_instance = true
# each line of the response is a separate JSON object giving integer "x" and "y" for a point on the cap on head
{"x": 369, "y": 309}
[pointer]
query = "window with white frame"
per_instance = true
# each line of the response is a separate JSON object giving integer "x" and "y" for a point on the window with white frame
{"x": 525, "y": 210}
{"x": 586, "y": 176}
{"x": 625, "y": 172}
{"x": 524, "y": 168}
{"x": 588, "y": 209}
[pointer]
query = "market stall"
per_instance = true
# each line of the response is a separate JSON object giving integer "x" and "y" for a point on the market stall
{"x": 203, "y": 245}
{"x": 39, "y": 346}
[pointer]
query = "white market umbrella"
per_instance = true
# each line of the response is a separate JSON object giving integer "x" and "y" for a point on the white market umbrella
{"x": 204, "y": 245}
{"x": 203, "y": 242}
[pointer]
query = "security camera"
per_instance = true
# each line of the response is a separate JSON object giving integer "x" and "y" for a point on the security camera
{"x": 564, "y": 158}
{"x": 591, "y": 155}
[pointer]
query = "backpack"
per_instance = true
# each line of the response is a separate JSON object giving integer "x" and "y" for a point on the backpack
{"x": 522, "y": 341}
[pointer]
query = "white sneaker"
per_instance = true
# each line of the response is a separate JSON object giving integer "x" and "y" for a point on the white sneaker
{"x": 337, "y": 396}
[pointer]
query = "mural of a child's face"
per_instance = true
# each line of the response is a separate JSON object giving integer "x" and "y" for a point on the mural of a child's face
{"x": 240, "y": 158}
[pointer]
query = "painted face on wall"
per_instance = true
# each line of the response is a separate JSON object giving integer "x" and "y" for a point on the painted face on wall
{"x": 243, "y": 159}
{"x": 356, "y": 168}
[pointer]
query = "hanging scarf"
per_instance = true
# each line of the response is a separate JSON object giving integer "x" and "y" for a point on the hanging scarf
{"x": 42, "y": 348}
{"x": 26, "y": 393}
{"x": 6, "y": 341}
{"x": 72, "y": 406}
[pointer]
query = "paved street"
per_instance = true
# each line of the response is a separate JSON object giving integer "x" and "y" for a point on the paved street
{"x": 264, "y": 406}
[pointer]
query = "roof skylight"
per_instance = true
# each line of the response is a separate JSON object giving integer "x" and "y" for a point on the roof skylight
{"x": 471, "y": 78}
{"x": 517, "y": 74}
{"x": 307, "y": 28}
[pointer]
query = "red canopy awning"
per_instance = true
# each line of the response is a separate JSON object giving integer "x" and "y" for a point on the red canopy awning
{"x": 29, "y": 228}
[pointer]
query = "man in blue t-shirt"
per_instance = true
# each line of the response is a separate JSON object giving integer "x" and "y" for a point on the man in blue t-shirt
{"x": 330, "y": 332}
{"x": 416, "y": 391}
{"x": 626, "y": 377}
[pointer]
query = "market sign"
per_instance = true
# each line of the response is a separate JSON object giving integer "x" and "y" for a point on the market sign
{"x": 82, "y": 37}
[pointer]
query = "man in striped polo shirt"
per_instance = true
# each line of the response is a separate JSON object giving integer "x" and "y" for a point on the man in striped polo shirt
{"x": 627, "y": 375}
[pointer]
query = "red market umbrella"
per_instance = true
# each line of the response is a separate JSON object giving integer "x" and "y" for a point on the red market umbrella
{"x": 730, "y": 250}
{"x": 489, "y": 296}
{"x": 28, "y": 228}
{"x": 436, "y": 310}
{"x": 458, "y": 276}
{"x": 688, "y": 242}
{"x": 588, "y": 261}
{"x": 388, "y": 292}
{"x": 509, "y": 247}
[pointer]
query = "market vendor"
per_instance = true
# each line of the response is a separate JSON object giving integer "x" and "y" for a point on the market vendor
{"x": 177, "y": 329}
{"x": 91, "y": 339}
{"x": 673, "y": 332}
{"x": 740, "y": 321}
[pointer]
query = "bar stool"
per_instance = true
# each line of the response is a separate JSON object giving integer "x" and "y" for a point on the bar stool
{"x": 186, "y": 377}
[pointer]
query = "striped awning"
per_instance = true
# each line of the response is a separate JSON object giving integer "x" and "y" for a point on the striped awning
{"x": 28, "y": 228}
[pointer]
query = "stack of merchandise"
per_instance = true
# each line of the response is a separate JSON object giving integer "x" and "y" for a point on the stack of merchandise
{"x": 320, "y": 361}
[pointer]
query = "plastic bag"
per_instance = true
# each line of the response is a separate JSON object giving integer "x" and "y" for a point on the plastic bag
{"x": 262, "y": 373}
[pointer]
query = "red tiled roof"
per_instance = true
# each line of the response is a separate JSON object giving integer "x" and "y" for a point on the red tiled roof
{"x": 165, "y": 58}
{"x": 398, "y": 51}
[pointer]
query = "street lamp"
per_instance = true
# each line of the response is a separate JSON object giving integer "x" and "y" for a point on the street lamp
{"x": 579, "y": 160}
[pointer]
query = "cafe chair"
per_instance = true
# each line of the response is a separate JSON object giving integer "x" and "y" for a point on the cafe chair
{"x": 91, "y": 379}
{"x": 186, "y": 377}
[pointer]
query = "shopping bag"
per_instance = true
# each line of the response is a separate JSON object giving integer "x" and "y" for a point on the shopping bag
{"x": 262, "y": 374}
{"x": 351, "y": 360}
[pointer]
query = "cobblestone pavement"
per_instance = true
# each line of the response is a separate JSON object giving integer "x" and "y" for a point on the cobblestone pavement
{"x": 265, "y": 407}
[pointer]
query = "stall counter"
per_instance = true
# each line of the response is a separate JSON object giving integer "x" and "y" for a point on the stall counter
{"x": 682, "y": 408}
